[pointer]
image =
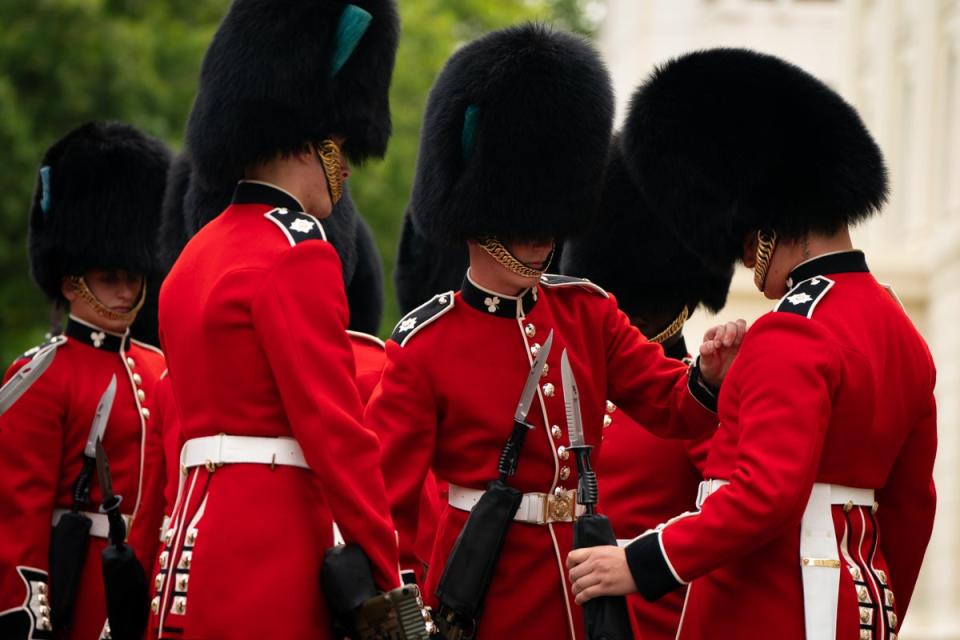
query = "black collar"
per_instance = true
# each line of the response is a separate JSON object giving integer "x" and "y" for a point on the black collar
{"x": 677, "y": 349}
{"x": 96, "y": 337}
{"x": 253, "y": 192}
{"x": 497, "y": 304}
{"x": 841, "y": 262}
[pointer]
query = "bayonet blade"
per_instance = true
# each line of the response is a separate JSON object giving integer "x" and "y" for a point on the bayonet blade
{"x": 25, "y": 377}
{"x": 103, "y": 472}
{"x": 533, "y": 380}
{"x": 100, "y": 418}
{"x": 571, "y": 402}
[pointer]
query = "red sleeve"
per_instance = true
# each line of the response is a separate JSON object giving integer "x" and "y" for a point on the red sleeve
{"x": 31, "y": 439}
{"x": 300, "y": 316}
{"x": 907, "y": 505}
{"x": 654, "y": 390}
{"x": 403, "y": 413}
{"x": 785, "y": 403}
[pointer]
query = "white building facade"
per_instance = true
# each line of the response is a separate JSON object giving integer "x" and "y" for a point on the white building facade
{"x": 898, "y": 62}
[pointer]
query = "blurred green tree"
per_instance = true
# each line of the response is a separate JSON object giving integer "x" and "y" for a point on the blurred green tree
{"x": 63, "y": 62}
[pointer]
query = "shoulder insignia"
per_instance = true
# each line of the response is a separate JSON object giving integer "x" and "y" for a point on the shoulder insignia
{"x": 893, "y": 294}
{"x": 366, "y": 337}
{"x": 421, "y": 317}
{"x": 46, "y": 345}
{"x": 297, "y": 226}
{"x": 557, "y": 280}
{"x": 804, "y": 297}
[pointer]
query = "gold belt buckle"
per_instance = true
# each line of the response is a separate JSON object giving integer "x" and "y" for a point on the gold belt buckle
{"x": 560, "y": 507}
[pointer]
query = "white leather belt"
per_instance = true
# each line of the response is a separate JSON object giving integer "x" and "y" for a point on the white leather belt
{"x": 100, "y": 527}
{"x": 819, "y": 553}
{"x": 535, "y": 508}
{"x": 213, "y": 451}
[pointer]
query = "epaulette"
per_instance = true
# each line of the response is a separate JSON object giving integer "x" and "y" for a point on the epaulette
{"x": 557, "y": 280}
{"x": 804, "y": 297}
{"x": 420, "y": 317}
{"x": 366, "y": 337}
{"x": 297, "y": 226}
{"x": 148, "y": 347}
{"x": 49, "y": 343}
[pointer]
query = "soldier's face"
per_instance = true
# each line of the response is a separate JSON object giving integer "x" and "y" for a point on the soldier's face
{"x": 117, "y": 289}
{"x": 532, "y": 254}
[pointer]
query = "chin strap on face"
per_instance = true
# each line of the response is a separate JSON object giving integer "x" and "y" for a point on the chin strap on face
{"x": 673, "y": 328}
{"x": 79, "y": 286}
{"x": 510, "y": 262}
{"x": 329, "y": 154}
{"x": 766, "y": 243}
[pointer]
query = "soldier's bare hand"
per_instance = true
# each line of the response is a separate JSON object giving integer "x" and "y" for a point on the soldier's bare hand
{"x": 599, "y": 571}
{"x": 720, "y": 345}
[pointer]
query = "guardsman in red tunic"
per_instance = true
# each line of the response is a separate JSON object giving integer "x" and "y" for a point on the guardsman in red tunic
{"x": 254, "y": 316}
{"x": 92, "y": 234}
{"x": 644, "y": 480}
{"x": 818, "y": 501}
{"x": 515, "y": 137}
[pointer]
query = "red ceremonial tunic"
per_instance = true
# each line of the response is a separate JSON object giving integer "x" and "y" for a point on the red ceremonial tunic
{"x": 254, "y": 315}
{"x": 42, "y": 438}
{"x": 835, "y": 386}
{"x": 644, "y": 481}
{"x": 456, "y": 367}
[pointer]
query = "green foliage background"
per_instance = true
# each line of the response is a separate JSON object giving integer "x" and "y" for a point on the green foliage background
{"x": 63, "y": 62}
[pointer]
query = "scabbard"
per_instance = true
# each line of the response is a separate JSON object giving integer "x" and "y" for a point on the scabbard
{"x": 604, "y": 618}
{"x": 127, "y": 595}
{"x": 69, "y": 542}
{"x": 469, "y": 569}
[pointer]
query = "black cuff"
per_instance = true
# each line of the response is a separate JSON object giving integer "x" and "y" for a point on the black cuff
{"x": 649, "y": 568}
{"x": 700, "y": 390}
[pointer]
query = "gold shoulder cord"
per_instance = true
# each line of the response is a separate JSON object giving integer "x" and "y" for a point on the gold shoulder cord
{"x": 673, "y": 328}
{"x": 79, "y": 285}
{"x": 766, "y": 242}
{"x": 329, "y": 154}
{"x": 502, "y": 255}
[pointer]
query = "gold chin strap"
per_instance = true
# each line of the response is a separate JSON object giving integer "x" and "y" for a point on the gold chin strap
{"x": 329, "y": 153}
{"x": 507, "y": 260}
{"x": 673, "y": 328}
{"x": 766, "y": 243}
{"x": 79, "y": 285}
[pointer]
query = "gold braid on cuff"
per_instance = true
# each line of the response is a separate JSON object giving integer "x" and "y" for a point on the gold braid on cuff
{"x": 329, "y": 154}
{"x": 766, "y": 243}
{"x": 79, "y": 285}
{"x": 673, "y": 328}
{"x": 506, "y": 259}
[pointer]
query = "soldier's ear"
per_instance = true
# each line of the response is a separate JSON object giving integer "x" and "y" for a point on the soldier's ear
{"x": 67, "y": 289}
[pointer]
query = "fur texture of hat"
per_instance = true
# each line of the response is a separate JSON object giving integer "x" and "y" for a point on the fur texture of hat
{"x": 424, "y": 269}
{"x": 727, "y": 141}
{"x": 365, "y": 289}
{"x": 514, "y": 138}
{"x": 631, "y": 253}
{"x": 275, "y": 78}
{"x": 96, "y": 204}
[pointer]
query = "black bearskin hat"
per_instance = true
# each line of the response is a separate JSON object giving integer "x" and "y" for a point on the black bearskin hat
{"x": 365, "y": 288}
{"x": 96, "y": 204}
{"x": 424, "y": 269}
{"x": 280, "y": 74}
{"x": 514, "y": 139}
{"x": 728, "y": 141}
{"x": 631, "y": 253}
